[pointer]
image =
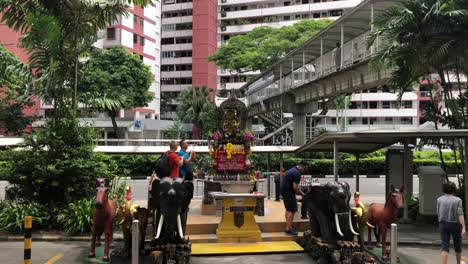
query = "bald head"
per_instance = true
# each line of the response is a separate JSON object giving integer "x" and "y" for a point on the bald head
{"x": 173, "y": 145}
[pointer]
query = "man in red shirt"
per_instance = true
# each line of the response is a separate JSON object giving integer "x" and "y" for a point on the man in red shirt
{"x": 174, "y": 160}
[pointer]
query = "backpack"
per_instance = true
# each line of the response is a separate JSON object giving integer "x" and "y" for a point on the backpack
{"x": 162, "y": 167}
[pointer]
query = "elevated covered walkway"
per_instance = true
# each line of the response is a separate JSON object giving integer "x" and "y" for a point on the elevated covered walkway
{"x": 320, "y": 69}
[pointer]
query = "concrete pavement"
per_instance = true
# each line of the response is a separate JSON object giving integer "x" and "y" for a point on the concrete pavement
{"x": 76, "y": 252}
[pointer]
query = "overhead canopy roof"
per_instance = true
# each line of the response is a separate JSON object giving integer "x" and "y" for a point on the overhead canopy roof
{"x": 371, "y": 140}
{"x": 355, "y": 22}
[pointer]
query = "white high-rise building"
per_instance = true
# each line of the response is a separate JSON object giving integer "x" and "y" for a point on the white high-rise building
{"x": 140, "y": 32}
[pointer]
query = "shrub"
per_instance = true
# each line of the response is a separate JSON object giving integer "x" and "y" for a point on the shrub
{"x": 59, "y": 165}
{"x": 76, "y": 217}
{"x": 12, "y": 216}
{"x": 136, "y": 165}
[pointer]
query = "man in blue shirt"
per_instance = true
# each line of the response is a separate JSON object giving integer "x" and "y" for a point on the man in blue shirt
{"x": 289, "y": 189}
{"x": 185, "y": 171}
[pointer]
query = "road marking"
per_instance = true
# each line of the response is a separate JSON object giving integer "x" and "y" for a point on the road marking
{"x": 55, "y": 258}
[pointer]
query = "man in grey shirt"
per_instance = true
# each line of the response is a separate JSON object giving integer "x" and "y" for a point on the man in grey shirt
{"x": 451, "y": 221}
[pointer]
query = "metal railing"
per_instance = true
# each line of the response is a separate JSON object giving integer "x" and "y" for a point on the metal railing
{"x": 146, "y": 142}
{"x": 354, "y": 51}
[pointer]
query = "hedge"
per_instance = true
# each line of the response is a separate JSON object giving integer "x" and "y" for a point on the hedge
{"x": 142, "y": 165}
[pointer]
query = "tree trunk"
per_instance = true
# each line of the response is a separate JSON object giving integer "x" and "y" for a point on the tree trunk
{"x": 196, "y": 131}
{"x": 113, "y": 115}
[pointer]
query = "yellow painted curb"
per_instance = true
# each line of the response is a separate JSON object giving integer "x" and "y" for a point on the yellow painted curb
{"x": 245, "y": 248}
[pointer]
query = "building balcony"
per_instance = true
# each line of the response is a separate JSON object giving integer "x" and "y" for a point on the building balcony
{"x": 177, "y": 20}
{"x": 238, "y": 29}
{"x": 176, "y": 7}
{"x": 238, "y": 2}
{"x": 176, "y": 47}
{"x": 408, "y": 96}
{"x": 176, "y": 33}
{"x": 379, "y": 112}
{"x": 185, "y": 60}
{"x": 176, "y": 74}
{"x": 229, "y": 86}
{"x": 174, "y": 88}
{"x": 285, "y": 10}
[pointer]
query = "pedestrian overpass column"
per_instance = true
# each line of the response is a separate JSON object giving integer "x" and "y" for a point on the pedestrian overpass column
{"x": 299, "y": 112}
{"x": 299, "y": 129}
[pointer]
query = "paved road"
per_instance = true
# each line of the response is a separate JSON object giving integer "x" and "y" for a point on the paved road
{"x": 372, "y": 189}
{"x": 75, "y": 252}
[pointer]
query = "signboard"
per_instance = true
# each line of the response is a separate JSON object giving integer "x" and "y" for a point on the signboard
{"x": 235, "y": 163}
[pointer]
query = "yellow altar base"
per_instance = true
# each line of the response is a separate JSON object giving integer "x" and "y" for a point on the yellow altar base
{"x": 242, "y": 205}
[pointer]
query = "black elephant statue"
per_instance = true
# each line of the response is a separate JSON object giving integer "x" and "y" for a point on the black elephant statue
{"x": 329, "y": 212}
{"x": 170, "y": 198}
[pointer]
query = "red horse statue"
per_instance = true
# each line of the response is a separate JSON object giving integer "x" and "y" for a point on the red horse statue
{"x": 382, "y": 216}
{"x": 103, "y": 216}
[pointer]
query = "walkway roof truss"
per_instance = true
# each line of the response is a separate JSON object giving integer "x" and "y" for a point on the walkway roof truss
{"x": 355, "y": 22}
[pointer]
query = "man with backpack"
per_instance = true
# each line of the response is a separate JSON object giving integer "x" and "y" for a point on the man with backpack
{"x": 174, "y": 160}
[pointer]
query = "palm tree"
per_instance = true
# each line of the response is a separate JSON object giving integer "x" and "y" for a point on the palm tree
{"x": 111, "y": 106}
{"x": 419, "y": 38}
{"x": 56, "y": 33}
{"x": 195, "y": 106}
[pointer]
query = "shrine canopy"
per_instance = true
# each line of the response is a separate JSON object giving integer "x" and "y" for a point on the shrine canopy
{"x": 371, "y": 140}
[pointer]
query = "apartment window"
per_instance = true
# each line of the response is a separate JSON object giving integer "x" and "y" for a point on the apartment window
{"x": 167, "y": 68}
{"x": 373, "y": 105}
{"x": 111, "y": 33}
{"x": 365, "y": 120}
{"x": 298, "y": 16}
{"x": 183, "y": 67}
{"x": 372, "y": 120}
{"x": 386, "y": 104}
{"x": 365, "y": 105}
{"x": 316, "y": 15}
{"x": 286, "y": 18}
{"x": 388, "y": 120}
{"x": 305, "y": 1}
{"x": 169, "y": 27}
{"x": 305, "y": 16}
{"x": 142, "y": 41}
{"x": 142, "y": 22}
{"x": 135, "y": 19}
{"x": 336, "y": 12}
{"x": 407, "y": 104}
{"x": 287, "y": 3}
{"x": 135, "y": 38}
{"x": 333, "y": 120}
{"x": 167, "y": 41}
{"x": 406, "y": 121}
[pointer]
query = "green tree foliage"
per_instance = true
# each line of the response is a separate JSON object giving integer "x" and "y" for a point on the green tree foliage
{"x": 59, "y": 165}
{"x": 263, "y": 46}
{"x": 14, "y": 80}
{"x": 195, "y": 107}
{"x": 115, "y": 79}
{"x": 419, "y": 38}
{"x": 56, "y": 33}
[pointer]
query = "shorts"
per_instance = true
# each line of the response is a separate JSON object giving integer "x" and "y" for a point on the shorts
{"x": 290, "y": 202}
{"x": 453, "y": 229}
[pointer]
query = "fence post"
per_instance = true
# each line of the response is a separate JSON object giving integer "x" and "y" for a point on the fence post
{"x": 394, "y": 244}
{"x": 135, "y": 242}
{"x": 27, "y": 239}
